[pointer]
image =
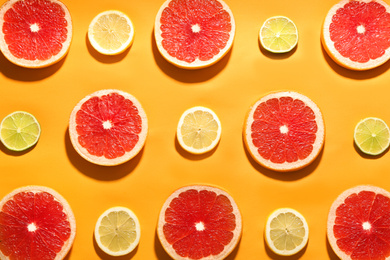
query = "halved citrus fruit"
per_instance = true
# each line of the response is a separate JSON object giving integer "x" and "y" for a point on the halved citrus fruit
{"x": 35, "y": 33}
{"x": 199, "y": 222}
{"x": 278, "y": 34}
{"x": 372, "y": 136}
{"x": 284, "y": 131}
{"x": 355, "y": 33}
{"x": 19, "y": 131}
{"x": 117, "y": 231}
{"x": 194, "y": 34}
{"x": 108, "y": 127}
{"x": 111, "y": 32}
{"x": 359, "y": 223}
{"x": 199, "y": 130}
{"x": 286, "y": 231}
{"x": 35, "y": 223}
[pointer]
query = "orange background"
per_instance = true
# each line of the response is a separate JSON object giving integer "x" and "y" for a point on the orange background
{"x": 229, "y": 88}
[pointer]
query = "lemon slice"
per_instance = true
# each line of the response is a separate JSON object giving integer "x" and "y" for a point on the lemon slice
{"x": 199, "y": 130}
{"x": 372, "y": 136}
{"x": 19, "y": 131}
{"x": 111, "y": 32}
{"x": 117, "y": 231}
{"x": 278, "y": 34}
{"x": 286, "y": 231}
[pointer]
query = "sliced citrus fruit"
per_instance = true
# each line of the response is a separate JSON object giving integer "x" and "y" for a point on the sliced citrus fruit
{"x": 19, "y": 131}
{"x": 108, "y": 127}
{"x": 278, "y": 34}
{"x": 35, "y": 223}
{"x": 359, "y": 223}
{"x": 117, "y": 231}
{"x": 372, "y": 136}
{"x": 199, "y": 222}
{"x": 286, "y": 231}
{"x": 355, "y": 33}
{"x": 111, "y": 32}
{"x": 284, "y": 131}
{"x": 194, "y": 34}
{"x": 199, "y": 130}
{"x": 35, "y": 33}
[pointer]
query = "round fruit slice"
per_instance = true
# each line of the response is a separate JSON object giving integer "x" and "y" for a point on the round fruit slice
{"x": 111, "y": 32}
{"x": 359, "y": 224}
{"x": 355, "y": 33}
{"x": 286, "y": 231}
{"x": 372, "y": 136}
{"x": 284, "y": 131}
{"x": 108, "y": 127}
{"x": 117, "y": 231}
{"x": 278, "y": 34}
{"x": 19, "y": 131}
{"x": 199, "y": 222}
{"x": 194, "y": 34}
{"x": 35, "y": 223}
{"x": 35, "y": 33}
{"x": 199, "y": 130}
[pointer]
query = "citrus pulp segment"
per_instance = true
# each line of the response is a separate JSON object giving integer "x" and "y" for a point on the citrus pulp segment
{"x": 199, "y": 130}
{"x": 199, "y": 222}
{"x": 286, "y": 231}
{"x": 111, "y": 32}
{"x": 194, "y": 34}
{"x": 355, "y": 33}
{"x": 35, "y": 223}
{"x": 108, "y": 127}
{"x": 278, "y": 34}
{"x": 19, "y": 131}
{"x": 372, "y": 136}
{"x": 284, "y": 131}
{"x": 117, "y": 231}
{"x": 358, "y": 224}
{"x": 35, "y": 33}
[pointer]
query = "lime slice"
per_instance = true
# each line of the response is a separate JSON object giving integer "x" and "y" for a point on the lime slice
{"x": 111, "y": 32}
{"x": 199, "y": 130}
{"x": 19, "y": 131}
{"x": 278, "y": 34}
{"x": 372, "y": 136}
{"x": 117, "y": 231}
{"x": 286, "y": 231}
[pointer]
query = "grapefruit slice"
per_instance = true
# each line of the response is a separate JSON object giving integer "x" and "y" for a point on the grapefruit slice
{"x": 284, "y": 131}
{"x": 359, "y": 223}
{"x": 194, "y": 34}
{"x": 199, "y": 222}
{"x": 35, "y": 223}
{"x": 355, "y": 33}
{"x": 35, "y": 33}
{"x": 108, "y": 127}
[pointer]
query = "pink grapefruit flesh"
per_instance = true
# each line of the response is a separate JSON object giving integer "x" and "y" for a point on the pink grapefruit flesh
{"x": 199, "y": 222}
{"x": 359, "y": 224}
{"x": 35, "y": 223}
{"x": 194, "y": 34}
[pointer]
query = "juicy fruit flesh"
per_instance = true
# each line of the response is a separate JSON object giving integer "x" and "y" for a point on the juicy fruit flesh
{"x": 199, "y": 129}
{"x": 117, "y": 231}
{"x": 111, "y": 31}
{"x": 35, "y": 30}
{"x": 19, "y": 131}
{"x": 372, "y": 136}
{"x": 199, "y": 223}
{"x": 194, "y": 29}
{"x": 108, "y": 126}
{"x": 362, "y": 226}
{"x": 279, "y": 34}
{"x": 33, "y": 226}
{"x": 361, "y": 31}
{"x": 284, "y": 130}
